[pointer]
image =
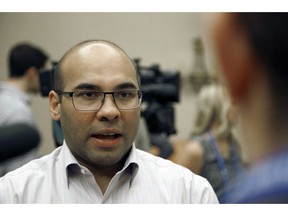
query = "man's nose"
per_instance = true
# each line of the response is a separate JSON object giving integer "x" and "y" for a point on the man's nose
{"x": 109, "y": 109}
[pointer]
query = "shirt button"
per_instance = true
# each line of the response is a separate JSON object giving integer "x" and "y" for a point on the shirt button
{"x": 83, "y": 171}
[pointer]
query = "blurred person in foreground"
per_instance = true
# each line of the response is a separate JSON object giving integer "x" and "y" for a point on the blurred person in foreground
{"x": 213, "y": 151}
{"x": 97, "y": 99}
{"x": 253, "y": 50}
{"x": 25, "y": 60}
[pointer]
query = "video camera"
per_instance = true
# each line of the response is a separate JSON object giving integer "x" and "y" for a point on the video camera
{"x": 158, "y": 85}
{"x": 160, "y": 89}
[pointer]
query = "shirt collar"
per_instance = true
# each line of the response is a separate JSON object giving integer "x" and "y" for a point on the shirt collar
{"x": 70, "y": 162}
{"x": 132, "y": 163}
{"x": 68, "y": 157}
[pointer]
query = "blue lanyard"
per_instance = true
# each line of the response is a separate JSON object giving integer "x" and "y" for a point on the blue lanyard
{"x": 220, "y": 160}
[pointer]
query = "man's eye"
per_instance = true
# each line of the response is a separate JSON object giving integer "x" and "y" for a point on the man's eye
{"x": 89, "y": 94}
{"x": 125, "y": 94}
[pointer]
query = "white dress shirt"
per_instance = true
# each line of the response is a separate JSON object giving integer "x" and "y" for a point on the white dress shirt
{"x": 145, "y": 178}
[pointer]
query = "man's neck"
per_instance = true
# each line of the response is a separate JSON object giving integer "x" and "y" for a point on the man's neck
{"x": 104, "y": 174}
{"x": 20, "y": 83}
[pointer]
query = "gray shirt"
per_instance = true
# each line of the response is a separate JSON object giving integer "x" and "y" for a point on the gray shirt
{"x": 15, "y": 108}
{"x": 15, "y": 105}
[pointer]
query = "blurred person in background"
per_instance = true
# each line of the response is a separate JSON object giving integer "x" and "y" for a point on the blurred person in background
{"x": 213, "y": 151}
{"x": 25, "y": 61}
{"x": 252, "y": 49}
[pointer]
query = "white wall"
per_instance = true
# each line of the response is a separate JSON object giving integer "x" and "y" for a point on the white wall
{"x": 163, "y": 38}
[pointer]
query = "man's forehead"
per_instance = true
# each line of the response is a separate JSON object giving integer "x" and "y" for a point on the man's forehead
{"x": 99, "y": 47}
{"x": 96, "y": 54}
{"x": 100, "y": 50}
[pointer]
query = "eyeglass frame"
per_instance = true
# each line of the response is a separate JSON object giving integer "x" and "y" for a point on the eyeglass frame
{"x": 71, "y": 93}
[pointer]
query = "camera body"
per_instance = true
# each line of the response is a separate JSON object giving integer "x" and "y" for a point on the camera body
{"x": 157, "y": 85}
{"x": 46, "y": 77}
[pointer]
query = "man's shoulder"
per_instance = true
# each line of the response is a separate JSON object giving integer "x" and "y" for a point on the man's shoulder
{"x": 149, "y": 158}
{"x": 161, "y": 165}
{"x": 175, "y": 177}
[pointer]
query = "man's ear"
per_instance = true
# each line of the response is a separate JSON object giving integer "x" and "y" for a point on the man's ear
{"x": 54, "y": 105}
{"x": 238, "y": 64}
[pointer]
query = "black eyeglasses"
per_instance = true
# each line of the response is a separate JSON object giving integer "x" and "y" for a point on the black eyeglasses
{"x": 91, "y": 100}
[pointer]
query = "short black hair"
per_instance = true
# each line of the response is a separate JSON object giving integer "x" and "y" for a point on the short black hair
{"x": 268, "y": 36}
{"x": 23, "y": 56}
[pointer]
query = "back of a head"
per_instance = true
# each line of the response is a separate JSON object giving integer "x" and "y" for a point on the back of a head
{"x": 212, "y": 104}
{"x": 24, "y": 56}
{"x": 268, "y": 35}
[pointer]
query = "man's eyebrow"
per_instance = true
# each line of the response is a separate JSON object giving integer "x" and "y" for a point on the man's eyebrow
{"x": 126, "y": 85}
{"x": 89, "y": 86}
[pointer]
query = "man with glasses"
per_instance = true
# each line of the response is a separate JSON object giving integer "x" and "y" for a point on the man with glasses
{"x": 97, "y": 99}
